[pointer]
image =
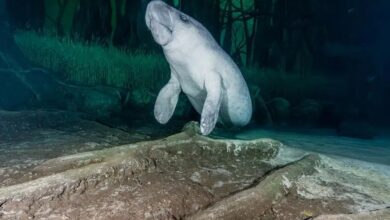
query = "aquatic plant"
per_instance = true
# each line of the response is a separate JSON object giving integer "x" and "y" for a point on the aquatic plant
{"x": 91, "y": 64}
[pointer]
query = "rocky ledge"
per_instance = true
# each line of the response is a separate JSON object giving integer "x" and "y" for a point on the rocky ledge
{"x": 189, "y": 176}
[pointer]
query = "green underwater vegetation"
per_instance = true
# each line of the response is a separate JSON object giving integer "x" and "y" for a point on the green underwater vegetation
{"x": 90, "y": 64}
{"x": 145, "y": 72}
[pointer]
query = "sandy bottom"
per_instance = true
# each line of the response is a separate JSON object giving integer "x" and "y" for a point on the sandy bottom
{"x": 326, "y": 142}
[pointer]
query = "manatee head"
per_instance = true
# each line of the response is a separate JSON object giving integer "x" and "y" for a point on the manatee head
{"x": 165, "y": 22}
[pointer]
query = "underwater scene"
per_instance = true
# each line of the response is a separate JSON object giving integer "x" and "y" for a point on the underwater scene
{"x": 195, "y": 109}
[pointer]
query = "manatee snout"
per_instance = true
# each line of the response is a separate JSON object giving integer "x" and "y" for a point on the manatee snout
{"x": 160, "y": 12}
{"x": 159, "y": 21}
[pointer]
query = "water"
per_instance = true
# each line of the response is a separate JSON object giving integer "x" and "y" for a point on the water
{"x": 80, "y": 79}
{"x": 327, "y": 142}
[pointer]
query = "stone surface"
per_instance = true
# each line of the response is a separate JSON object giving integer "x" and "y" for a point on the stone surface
{"x": 163, "y": 179}
{"x": 28, "y": 138}
{"x": 254, "y": 202}
{"x": 188, "y": 176}
{"x": 377, "y": 215}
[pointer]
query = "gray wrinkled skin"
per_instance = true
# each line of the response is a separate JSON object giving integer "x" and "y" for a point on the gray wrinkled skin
{"x": 200, "y": 68}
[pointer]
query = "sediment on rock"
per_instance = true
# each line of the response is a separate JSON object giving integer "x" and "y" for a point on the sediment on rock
{"x": 254, "y": 202}
{"x": 377, "y": 215}
{"x": 29, "y": 138}
{"x": 166, "y": 179}
{"x": 189, "y": 176}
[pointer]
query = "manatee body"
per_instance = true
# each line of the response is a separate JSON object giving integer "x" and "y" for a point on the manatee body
{"x": 200, "y": 68}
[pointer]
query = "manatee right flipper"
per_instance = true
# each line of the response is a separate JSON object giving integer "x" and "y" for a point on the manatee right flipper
{"x": 166, "y": 101}
{"x": 212, "y": 104}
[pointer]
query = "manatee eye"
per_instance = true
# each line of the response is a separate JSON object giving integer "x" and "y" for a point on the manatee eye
{"x": 183, "y": 18}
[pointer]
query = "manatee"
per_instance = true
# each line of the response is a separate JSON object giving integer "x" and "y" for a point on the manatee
{"x": 200, "y": 68}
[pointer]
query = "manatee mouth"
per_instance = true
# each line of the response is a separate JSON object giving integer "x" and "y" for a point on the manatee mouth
{"x": 166, "y": 26}
{"x": 162, "y": 33}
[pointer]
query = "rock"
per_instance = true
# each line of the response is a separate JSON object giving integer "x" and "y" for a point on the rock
{"x": 192, "y": 128}
{"x": 30, "y": 137}
{"x": 100, "y": 102}
{"x": 164, "y": 179}
{"x": 141, "y": 98}
{"x": 254, "y": 202}
{"x": 356, "y": 129}
{"x": 308, "y": 112}
{"x": 279, "y": 109}
{"x": 377, "y": 214}
{"x": 190, "y": 176}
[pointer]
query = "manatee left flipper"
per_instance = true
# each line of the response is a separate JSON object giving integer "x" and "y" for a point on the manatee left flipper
{"x": 212, "y": 104}
{"x": 166, "y": 101}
